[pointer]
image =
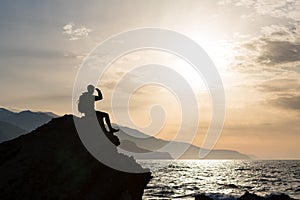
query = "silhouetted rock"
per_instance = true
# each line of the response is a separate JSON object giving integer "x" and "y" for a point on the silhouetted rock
{"x": 52, "y": 163}
{"x": 250, "y": 196}
{"x": 202, "y": 197}
{"x": 232, "y": 186}
{"x": 279, "y": 197}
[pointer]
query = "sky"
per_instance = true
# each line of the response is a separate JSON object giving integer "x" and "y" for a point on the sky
{"x": 255, "y": 46}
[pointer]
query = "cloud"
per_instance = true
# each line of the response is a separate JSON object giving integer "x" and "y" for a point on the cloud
{"x": 278, "y": 52}
{"x": 289, "y": 33}
{"x": 287, "y": 102}
{"x": 281, "y": 93}
{"x": 282, "y": 85}
{"x": 293, "y": 68}
{"x": 273, "y": 54}
{"x": 294, "y": 12}
{"x": 277, "y": 48}
{"x": 274, "y": 8}
{"x": 75, "y": 32}
{"x": 74, "y": 54}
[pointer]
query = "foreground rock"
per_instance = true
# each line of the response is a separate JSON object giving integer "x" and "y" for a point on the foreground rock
{"x": 51, "y": 163}
{"x": 249, "y": 196}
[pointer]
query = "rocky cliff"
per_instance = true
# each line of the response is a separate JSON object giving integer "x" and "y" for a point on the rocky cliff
{"x": 51, "y": 163}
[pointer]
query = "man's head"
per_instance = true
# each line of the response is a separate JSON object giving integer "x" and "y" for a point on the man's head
{"x": 90, "y": 89}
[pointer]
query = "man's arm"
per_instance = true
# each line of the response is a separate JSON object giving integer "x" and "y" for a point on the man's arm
{"x": 99, "y": 97}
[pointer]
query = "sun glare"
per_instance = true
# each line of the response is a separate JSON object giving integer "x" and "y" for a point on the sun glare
{"x": 220, "y": 51}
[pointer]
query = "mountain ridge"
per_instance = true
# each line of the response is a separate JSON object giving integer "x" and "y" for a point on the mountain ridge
{"x": 25, "y": 120}
{"x": 153, "y": 144}
{"x": 9, "y": 131}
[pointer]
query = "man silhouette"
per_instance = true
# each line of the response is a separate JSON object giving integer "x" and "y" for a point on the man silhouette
{"x": 86, "y": 105}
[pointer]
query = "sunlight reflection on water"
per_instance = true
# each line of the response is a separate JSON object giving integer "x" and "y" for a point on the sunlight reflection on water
{"x": 223, "y": 178}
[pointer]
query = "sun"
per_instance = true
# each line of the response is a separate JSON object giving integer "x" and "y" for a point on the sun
{"x": 221, "y": 51}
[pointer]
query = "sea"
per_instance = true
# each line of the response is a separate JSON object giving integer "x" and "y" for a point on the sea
{"x": 221, "y": 179}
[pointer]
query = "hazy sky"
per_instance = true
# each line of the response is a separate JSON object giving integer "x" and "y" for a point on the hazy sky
{"x": 254, "y": 44}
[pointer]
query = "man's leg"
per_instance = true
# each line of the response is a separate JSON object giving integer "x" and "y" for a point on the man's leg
{"x": 100, "y": 116}
{"x": 107, "y": 120}
{"x": 104, "y": 115}
{"x": 109, "y": 134}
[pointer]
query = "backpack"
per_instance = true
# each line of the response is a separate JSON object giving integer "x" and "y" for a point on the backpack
{"x": 85, "y": 103}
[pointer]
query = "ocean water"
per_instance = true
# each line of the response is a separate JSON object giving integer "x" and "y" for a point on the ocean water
{"x": 221, "y": 179}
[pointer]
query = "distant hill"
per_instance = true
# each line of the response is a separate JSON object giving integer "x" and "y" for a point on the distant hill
{"x": 145, "y": 142}
{"x": 133, "y": 148}
{"x": 18, "y": 123}
{"x": 9, "y": 131}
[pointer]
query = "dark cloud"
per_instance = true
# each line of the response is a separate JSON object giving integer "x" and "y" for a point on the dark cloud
{"x": 275, "y": 53}
{"x": 293, "y": 68}
{"x": 288, "y": 102}
{"x": 278, "y": 52}
{"x": 278, "y": 48}
{"x": 281, "y": 93}
{"x": 280, "y": 85}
